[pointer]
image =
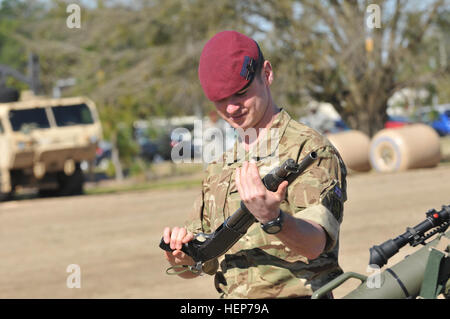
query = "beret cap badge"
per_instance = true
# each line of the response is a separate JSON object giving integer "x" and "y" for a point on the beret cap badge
{"x": 248, "y": 68}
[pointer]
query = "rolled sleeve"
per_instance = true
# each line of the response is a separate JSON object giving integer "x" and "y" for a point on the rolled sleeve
{"x": 319, "y": 193}
{"x": 320, "y": 215}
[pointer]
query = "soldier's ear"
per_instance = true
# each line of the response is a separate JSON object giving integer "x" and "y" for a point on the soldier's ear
{"x": 268, "y": 73}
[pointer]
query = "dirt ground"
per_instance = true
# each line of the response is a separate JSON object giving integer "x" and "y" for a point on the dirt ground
{"x": 114, "y": 238}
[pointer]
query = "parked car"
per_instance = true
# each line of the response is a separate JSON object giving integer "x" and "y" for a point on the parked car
{"x": 149, "y": 150}
{"x": 442, "y": 124}
{"x": 103, "y": 153}
{"x": 396, "y": 122}
{"x": 437, "y": 117}
{"x": 153, "y": 147}
{"x": 339, "y": 126}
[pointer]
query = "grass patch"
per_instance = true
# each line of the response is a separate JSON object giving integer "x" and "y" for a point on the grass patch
{"x": 164, "y": 175}
{"x": 159, "y": 185}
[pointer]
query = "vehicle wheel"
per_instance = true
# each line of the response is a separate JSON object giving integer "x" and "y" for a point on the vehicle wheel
{"x": 48, "y": 193}
{"x": 440, "y": 133}
{"x": 7, "y": 196}
{"x": 3, "y": 197}
{"x": 73, "y": 184}
{"x": 8, "y": 95}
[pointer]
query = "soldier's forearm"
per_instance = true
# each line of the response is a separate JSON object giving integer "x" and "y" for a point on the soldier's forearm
{"x": 302, "y": 236}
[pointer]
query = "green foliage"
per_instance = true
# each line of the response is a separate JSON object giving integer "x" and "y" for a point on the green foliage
{"x": 138, "y": 167}
{"x": 110, "y": 170}
{"x": 140, "y": 59}
{"x": 11, "y": 52}
{"x": 322, "y": 53}
{"x": 128, "y": 148}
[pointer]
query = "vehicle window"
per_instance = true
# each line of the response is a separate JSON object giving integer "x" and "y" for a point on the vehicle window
{"x": 28, "y": 119}
{"x": 1, "y": 128}
{"x": 447, "y": 113}
{"x": 72, "y": 115}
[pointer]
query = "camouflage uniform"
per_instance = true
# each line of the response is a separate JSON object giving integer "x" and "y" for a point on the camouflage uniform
{"x": 259, "y": 265}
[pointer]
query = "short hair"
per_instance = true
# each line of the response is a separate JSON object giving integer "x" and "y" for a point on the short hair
{"x": 259, "y": 64}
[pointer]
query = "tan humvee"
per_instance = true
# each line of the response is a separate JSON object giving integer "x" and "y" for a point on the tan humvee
{"x": 43, "y": 141}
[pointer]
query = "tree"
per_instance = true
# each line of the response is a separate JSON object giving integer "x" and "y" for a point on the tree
{"x": 135, "y": 61}
{"x": 148, "y": 50}
{"x": 325, "y": 50}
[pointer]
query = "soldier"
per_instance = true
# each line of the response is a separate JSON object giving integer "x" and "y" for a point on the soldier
{"x": 293, "y": 249}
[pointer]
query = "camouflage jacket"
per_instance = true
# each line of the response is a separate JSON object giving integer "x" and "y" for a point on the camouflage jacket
{"x": 259, "y": 265}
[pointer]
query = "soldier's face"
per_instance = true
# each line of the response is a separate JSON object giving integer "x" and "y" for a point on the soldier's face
{"x": 248, "y": 108}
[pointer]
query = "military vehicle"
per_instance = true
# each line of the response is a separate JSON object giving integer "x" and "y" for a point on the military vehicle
{"x": 424, "y": 274}
{"x": 43, "y": 141}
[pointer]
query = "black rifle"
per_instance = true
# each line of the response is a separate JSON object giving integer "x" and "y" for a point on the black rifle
{"x": 234, "y": 227}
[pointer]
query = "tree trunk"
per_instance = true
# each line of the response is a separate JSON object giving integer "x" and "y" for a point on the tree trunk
{"x": 366, "y": 118}
{"x": 115, "y": 157}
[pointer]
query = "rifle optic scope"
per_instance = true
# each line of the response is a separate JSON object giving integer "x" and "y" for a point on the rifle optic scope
{"x": 379, "y": 255}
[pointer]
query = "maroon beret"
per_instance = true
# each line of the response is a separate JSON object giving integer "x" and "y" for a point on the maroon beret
{"x": 227, "y": 64}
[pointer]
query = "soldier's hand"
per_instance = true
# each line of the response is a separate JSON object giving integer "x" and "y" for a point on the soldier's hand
{"x": 176, "y": 237}
{"x": 262, "y": 203}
